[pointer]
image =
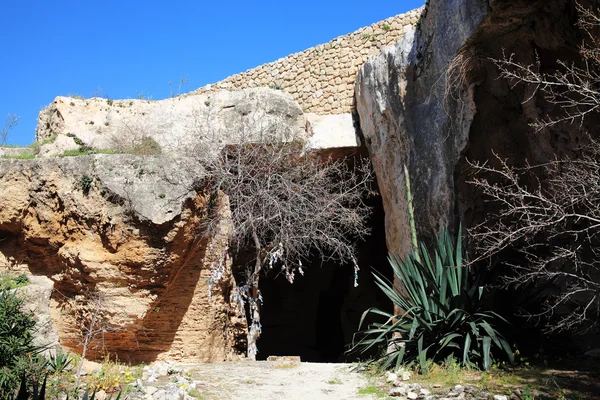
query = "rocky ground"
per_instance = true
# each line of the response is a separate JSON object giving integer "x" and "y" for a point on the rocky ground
{"x": 287, "y": 379}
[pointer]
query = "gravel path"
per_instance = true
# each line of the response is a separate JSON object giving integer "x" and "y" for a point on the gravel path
{"x": 265, "y": 380}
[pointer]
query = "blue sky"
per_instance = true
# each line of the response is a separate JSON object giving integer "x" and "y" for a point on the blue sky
{"x": 127, "y": 48}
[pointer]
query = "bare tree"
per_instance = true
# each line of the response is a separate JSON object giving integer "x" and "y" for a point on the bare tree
{"x": 288, "y": 206}
{"x": 11, "y": 121}
{"x": 93, "y": 319}
{"x": 549, "y": 213}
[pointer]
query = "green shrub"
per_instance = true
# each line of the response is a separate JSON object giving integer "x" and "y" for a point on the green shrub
{"x": 443, "y": 315}
{"x": 18, "y": 354}
{"x": 8, "y": 281}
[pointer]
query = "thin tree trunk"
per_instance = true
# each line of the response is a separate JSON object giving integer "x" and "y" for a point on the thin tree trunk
{"x": 255, "y": 328}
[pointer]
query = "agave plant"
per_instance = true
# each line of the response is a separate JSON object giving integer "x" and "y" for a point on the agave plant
{"x": 59, "y": 362}
{"x": 442, "y": 312}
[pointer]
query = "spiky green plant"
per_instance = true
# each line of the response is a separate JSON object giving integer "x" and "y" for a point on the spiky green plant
{"x": 443, "y": 312}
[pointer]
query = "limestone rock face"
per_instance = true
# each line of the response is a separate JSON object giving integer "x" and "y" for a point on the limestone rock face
{"x": 435, "y": 100}
{"x": 36, "y": 299}
{"x": 128, "y": 229}
{"x": 407, "y": 119}
{"x": 179, "y": 125}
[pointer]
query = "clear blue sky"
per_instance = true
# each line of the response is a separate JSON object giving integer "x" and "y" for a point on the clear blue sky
{"x": 126, "y": 47}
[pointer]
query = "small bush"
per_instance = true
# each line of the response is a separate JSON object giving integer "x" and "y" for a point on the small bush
{"x": 86, "y": 184}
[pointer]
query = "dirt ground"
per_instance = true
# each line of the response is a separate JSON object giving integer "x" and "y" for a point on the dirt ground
{"x": 277, "y": 380}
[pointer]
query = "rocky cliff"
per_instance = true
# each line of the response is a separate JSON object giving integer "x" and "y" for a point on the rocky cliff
{"x": 127, "y": 229}
{"x": 130, "y": 227}
{"x": 435, "y": 99}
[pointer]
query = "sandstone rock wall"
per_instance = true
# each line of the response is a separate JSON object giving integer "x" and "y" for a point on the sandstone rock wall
{"x": 321, "y": 79}
{"x": 128, "y": 229}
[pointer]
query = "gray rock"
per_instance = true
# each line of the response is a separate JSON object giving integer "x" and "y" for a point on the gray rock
{"x": 150, "y": 390}
{"x": 399, "y": 391}
{"x": 176, "y": 124}
{"x": 400, "y": 98}
{"x": 331, "y": 131}
{"x": 594, "y": 354}
{"x": 36, "y": 299}
{"x": 500, "y": 397}
{"x": 395, "y": 392}
{"x": 412, "y": 395}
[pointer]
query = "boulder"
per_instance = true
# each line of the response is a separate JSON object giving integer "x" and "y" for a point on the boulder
{"x": 179, "y": 125}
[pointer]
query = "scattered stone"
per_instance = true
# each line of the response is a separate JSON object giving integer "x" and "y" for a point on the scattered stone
{"x": 459, "y": 388}
{"x": 397, "y": 392}
{"x": 150, "y": 390}
{"x": 500, "y": 397}
{"x": 412, "y": 395}
{"x": 391, "y": 377}
{"x": 425, "y": 392}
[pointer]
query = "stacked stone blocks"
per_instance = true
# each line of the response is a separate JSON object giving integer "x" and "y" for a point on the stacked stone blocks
{"x": 321, "y": 79}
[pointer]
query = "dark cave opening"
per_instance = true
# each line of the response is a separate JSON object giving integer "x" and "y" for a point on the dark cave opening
{"x": 316, "y": 316}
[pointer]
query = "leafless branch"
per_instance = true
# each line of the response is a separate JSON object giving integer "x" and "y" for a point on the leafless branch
{"x": 575, "y": 89}
{"x": 11, "y": 121}
{"x": 549, "y": 213}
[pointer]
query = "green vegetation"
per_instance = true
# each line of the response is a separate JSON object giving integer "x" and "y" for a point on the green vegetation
{"x": 109, "y": 102}
{"x": 22, "y": 156}
{"x": 18, "y": 354}
{"x": 372, "y": 389}
{"x": 444, "y": 315}
{"x": 443, "y": 312}
{"x": 8, "y": 281}
{"x": 75, "y": 153}
{"x": 86, "y": 184}
{"x": 386, "y": 27}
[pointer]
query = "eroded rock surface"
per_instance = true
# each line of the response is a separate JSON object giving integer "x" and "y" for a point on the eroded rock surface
{"x": 407, "y": 119}
{"x": 36, "y": 299}
{"x": 129, "y": 229}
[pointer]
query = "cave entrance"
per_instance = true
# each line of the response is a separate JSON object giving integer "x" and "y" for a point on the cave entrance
{"x": 316, "y": 316}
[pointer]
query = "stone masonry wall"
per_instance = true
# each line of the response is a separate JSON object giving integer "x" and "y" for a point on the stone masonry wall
{"x": 321, "y": 79}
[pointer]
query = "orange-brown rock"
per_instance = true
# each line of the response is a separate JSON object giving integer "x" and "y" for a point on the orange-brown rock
{"x": 129, "y": 230}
